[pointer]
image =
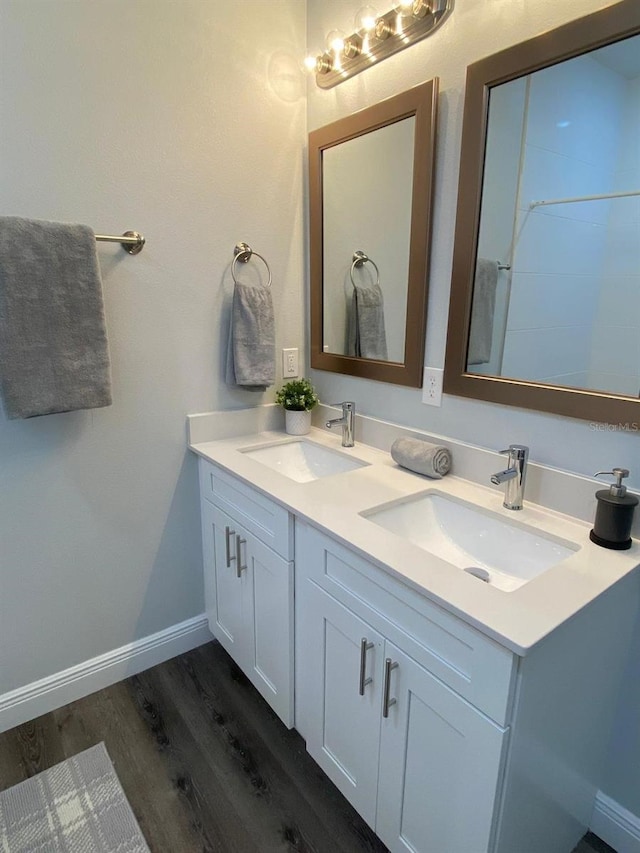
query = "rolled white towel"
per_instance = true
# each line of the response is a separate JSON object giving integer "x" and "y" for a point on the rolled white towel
{"x": 432, "y": 460}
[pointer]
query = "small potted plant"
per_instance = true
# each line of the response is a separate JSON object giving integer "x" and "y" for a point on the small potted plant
{"x": 297, "y": 398}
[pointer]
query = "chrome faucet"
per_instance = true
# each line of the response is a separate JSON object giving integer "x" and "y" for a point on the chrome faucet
{"x": 514, "y": 476}
{"x": 347, "y": 422}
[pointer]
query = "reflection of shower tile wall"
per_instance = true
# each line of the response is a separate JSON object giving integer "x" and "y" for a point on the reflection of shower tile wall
{"x": 573, "y": 121}
{"x": 616, "y": 339}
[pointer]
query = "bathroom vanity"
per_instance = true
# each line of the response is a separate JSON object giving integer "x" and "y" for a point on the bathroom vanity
{"x": 455, "y": 715}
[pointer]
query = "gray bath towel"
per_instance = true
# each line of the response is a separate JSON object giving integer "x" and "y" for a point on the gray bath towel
{"x": 366, "y": 336}
{"x": 54, "y": 355}
{"x": 482, "y": 311}
{"x": 251, "y": 353}
{"x": 432, "y": 460}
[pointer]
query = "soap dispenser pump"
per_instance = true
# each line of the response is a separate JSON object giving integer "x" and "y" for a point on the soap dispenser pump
{"x": 614, "y": 515}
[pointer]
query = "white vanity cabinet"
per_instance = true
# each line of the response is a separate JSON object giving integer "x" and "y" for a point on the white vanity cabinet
{"x": 411, "y": 754}
{"x": 407, "y": 751}
{"x": 442, "y": 738}
{"x": 248, "y": 571}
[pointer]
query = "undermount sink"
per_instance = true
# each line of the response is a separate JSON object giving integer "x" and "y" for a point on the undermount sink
{"x": 499, "y": 551}
{"x": 302, "y": 460}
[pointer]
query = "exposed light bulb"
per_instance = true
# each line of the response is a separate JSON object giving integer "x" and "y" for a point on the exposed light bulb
{"x": 365, "y": 19}
{"x": 335, "y": 41}
{"x": 310, "y": 62}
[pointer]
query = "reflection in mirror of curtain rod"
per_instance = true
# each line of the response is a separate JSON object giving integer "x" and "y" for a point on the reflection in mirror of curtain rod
{"x": 571, "y": 200}
{"x": 541, "y": 202}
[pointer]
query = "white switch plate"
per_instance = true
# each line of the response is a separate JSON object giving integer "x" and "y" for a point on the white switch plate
{"x": 432, "y": 386}
{"x": 290, "y": 363}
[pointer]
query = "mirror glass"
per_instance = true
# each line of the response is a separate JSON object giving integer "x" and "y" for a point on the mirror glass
{"x": 545, "y": 297}
{"x": 557, "y": 284}
{"x": 370, "y": 178}
{"x": 382, "y": 160}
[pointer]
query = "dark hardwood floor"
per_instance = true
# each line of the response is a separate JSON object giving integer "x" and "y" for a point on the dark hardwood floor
{"x": 204, "y": 762}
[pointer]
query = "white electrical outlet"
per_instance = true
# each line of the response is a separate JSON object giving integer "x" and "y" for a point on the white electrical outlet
{"x": 290, "y": 367}
{"x": 432, "y": 386}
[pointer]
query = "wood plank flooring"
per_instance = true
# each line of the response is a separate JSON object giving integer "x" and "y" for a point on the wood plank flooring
{"x": 206, "y": 765}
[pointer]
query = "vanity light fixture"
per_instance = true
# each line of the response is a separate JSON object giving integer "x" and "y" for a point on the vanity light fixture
{"x": 375, "y": 38}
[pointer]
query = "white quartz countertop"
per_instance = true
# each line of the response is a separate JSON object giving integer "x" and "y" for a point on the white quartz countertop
{"x": 518, "y": 619}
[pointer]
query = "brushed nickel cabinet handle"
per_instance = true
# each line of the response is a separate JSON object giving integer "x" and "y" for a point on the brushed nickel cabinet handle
{"x": 387, "y": 703}
{"x": 228, "y": 533}
{"x": 364, "y": 648}
{"x": 239, "y": 543}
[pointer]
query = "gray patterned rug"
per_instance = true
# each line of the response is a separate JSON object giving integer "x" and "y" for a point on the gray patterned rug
{"x": 77, "y": 806}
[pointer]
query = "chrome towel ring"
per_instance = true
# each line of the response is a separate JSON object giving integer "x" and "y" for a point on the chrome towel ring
{"x": 359, "y": 259}
{"x": 244, "y": 253}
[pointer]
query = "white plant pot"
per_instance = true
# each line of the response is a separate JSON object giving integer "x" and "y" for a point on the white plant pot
{"x": 297, "y": 423}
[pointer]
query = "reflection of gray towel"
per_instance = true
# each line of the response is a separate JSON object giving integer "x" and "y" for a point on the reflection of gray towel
{"x": 251, "y": 354}
{"x": 432, "y": 460}
{"x": 482, "y": 310}
{"x": 53, "y": 342}
{"x": 366, "y": 336}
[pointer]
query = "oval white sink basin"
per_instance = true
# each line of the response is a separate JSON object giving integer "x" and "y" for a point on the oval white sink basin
{"x": 302, "y": 460}
{"x": 496, "y": 550}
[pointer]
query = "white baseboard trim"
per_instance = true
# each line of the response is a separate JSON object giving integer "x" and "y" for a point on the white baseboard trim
{"x": 40, "y": 697}
{"x": 615, "y": 825}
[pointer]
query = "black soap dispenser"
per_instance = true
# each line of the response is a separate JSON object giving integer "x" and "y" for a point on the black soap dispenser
{"x": 614, "y": 515}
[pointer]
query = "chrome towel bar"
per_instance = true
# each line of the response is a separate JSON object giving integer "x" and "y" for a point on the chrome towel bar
{"x": 131, "y": 241}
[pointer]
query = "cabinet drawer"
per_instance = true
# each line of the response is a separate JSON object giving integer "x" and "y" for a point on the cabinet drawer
{"x": 476, "y": 667}
{"x": 267, "y": 520}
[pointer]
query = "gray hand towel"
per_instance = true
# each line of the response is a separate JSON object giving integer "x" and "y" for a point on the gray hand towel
{"x": 432, "y": 460}
{"x": 482, "y": 311}
{"x": 251, "y": 353}
{"x": 366, "y": 336}
{"x": 54, "y": 355}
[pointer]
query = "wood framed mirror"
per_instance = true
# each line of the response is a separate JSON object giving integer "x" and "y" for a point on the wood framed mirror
{"x": 545, "y": 298}
{"x": 370, "y": 190}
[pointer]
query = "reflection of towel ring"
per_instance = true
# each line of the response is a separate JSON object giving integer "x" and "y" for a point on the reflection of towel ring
{"x": 243, "y": 253}
{"x": 359, "y": 259}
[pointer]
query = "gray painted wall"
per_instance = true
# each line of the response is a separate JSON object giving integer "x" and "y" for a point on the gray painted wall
{"x": 180, "y": 120}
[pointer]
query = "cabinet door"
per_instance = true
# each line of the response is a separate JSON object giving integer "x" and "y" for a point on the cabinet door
{"x": 342, "y": 692}
{"x": 440, "y": 761}
{"x": 267, "y": 581}
{"x": 223, "y": 591}
{"x": 249, "y": 605}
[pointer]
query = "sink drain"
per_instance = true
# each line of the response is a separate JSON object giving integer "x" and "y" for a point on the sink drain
{"x": 477, "y": 572}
